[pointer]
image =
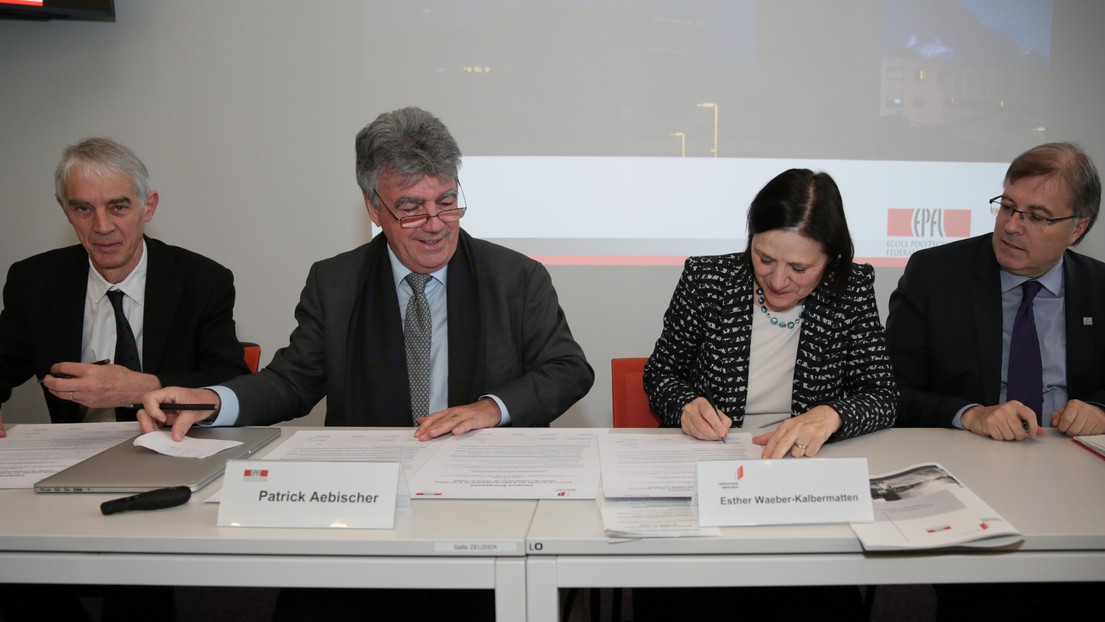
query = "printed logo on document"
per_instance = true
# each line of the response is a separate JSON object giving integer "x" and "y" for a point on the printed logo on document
{"x": 256, "y": 475}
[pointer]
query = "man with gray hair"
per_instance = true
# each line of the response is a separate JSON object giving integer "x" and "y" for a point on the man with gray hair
{"x": 423, "y": 326}
{"x": 103, "y": 322}
{"x": 1004, "y": 334}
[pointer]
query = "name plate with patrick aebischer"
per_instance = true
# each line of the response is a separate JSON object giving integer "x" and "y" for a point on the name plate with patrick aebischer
{"x": 345, "y": 495}
{"x": 783, "y": 492}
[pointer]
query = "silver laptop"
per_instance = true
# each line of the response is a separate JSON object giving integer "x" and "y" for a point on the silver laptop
{"x": 126, "y": 468}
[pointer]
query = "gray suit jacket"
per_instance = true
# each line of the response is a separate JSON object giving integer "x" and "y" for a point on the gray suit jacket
{"x": 533, "y": 363}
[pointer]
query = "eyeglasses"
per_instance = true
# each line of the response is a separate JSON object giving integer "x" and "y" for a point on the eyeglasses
{"x": 1033, "y": 221}
{"x": 413, "y": 220}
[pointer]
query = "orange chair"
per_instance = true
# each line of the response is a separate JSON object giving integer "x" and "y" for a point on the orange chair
{"x": 252, "y": 354}
{"x": 631, "y": 409}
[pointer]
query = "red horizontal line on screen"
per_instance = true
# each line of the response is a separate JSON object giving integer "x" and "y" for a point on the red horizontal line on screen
{"x": 669, "y": 260}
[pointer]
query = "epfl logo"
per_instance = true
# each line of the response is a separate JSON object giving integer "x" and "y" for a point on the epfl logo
{"x": 928, "y": 223}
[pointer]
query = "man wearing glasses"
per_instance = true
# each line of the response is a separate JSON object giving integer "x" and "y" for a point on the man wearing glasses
{"x": 1004, "y": 334}
{"x": 424, "y": 326}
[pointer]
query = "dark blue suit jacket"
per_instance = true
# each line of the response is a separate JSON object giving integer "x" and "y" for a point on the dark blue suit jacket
{"x": 944, "y": 331}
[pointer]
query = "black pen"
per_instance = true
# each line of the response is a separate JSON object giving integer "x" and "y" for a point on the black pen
{"x": 102, "y": 362}
{"x": 710, "y": 401}
{"x": 167, "y": 406}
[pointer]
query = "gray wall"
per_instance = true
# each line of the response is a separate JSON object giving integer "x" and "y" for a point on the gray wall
{"x": 245, "y": 112}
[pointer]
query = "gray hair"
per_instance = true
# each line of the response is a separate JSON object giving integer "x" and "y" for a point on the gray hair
{"x": 409, "y": 143}
{"x": 101, "y": 157}
{"x": 1069, "y": 163}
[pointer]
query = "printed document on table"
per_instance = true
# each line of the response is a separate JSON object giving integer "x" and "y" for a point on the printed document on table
{"x": 636, "y": 465}
{"x": 32, "y": 452}
{"x": 512, "y": 463}
{"x": 358, "y": 446}
{"x": 924, "y": 507}
{"x": 652, "y": 518}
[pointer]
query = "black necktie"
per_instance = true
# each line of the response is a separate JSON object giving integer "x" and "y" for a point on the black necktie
{"x": 1025, "y": 382}
{"x": 126, "y": 348}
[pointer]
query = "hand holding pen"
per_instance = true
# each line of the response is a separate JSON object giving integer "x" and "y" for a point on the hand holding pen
{"x": 702, "y": 420}
{"x": 98, "y": 384}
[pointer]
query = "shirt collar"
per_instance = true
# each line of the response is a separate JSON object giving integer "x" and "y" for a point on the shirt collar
{"x": 134, "y": 286}
{"x": 400, "y": 272}
{"x": 1052, "y": 280}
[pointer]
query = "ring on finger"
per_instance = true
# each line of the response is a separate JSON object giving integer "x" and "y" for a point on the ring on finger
{"x": 801, "y": 446}
{"x": 70, "y": 396}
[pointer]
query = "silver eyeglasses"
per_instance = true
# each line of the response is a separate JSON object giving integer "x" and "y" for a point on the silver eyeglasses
{"x": 416, "y": 216}
{"x": 1033, "y": 221}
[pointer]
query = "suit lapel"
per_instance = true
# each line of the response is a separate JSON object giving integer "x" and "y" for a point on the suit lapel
{"x": 163, "y": 291}
{"x": 1080, "y": 343}
{"x": 69, "y": 306}
{"x": 986, "y": 310}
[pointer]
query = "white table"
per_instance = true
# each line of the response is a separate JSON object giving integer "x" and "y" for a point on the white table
{"x": 1052, "y": 490}
{"x": 63, "y": 538}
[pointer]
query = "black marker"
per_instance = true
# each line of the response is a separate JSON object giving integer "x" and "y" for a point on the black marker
{"x": 101, "y": 362}
{"x": 168, "y": 406}
{"x": 153, "y": 500}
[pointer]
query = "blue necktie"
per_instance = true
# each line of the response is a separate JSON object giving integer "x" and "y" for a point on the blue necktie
{"x": 1025, "y": 381}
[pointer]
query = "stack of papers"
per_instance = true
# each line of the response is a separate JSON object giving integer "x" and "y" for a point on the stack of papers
{"x": 648, "y": 481}
{"x": 1095, "y": 443}
{"x": 32, "y": 452}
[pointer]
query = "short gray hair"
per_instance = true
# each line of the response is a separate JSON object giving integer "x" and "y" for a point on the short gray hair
{"x": 410, "y": 143}
{"x": 1072, "y": 166}
{"x": 99, "y": 157}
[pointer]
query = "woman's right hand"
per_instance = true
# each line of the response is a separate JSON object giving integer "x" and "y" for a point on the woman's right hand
{"x": 701, "y": 421}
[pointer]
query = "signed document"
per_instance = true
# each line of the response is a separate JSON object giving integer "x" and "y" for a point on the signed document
{"x": 637, "y": 465}
{"x": 512, "y": 463}
{"x": 360, "y": 445}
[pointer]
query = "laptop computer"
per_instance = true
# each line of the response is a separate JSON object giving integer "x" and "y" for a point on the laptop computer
{"x": 127, "y": 468}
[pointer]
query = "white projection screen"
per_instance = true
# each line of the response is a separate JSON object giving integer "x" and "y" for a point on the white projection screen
{"x": 602, "y": 118}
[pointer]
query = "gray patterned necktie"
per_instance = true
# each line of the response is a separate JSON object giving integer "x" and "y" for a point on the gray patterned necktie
{"x": 416, "y": 332}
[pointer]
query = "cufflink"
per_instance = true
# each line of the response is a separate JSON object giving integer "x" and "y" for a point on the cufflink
{"x": 1087, "y": 321}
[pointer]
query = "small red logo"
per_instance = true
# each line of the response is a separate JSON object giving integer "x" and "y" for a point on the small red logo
{"x": 740, "y": 472}
{"x": 256, "y": 474}
{"x": 562, "y": 493}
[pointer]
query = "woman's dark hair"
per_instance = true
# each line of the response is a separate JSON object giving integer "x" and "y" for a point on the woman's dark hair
{"x": 808, "y": 203}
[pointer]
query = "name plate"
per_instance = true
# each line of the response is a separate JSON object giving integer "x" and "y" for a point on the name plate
{"x": 348, "y": 495}
{"x": 783, "y": 492}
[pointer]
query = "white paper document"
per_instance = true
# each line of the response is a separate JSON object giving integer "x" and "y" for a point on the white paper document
{"x": 358, "y": 446}
{"x": 32, "y": 452}
{"x": 636, "y": 465}
{"x": 652, "y": 518}
{"x": 923, "y": 507}
{"x": 162, "y": 442}
{"x": 512, "y": 463}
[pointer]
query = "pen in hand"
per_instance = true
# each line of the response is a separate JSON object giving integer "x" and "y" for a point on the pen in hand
{"x": 100, "y": 362}
{"x": 168, "y": 406}
{"x": 710, "y": 401}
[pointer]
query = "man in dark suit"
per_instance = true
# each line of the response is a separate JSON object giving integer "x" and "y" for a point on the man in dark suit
{"x": 960, "y": 311}
{"x": 423, "y": 326}
{"x": 59, "y": 307}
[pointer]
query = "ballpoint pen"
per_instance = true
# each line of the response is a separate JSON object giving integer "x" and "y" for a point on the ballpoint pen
{"x": 710, "y": 401}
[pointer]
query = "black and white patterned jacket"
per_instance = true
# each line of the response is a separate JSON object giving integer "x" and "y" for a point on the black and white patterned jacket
{"x": 842, "y": 360}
